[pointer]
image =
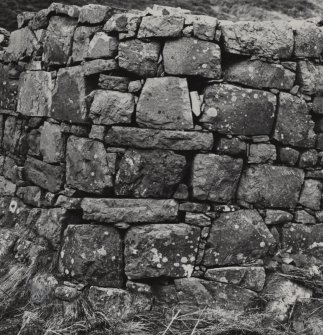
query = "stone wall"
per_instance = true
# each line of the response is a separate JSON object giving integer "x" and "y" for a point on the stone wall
{"x": 161, "y": 158}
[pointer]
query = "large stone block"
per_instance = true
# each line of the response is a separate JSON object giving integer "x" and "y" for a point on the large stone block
{"x": 161, "y": 26}
{"x": 159, "y": 139}
{"x": 237, "y": 238}
{"x": 270, "y": 186}
{"x": 8, "y": 90}
{"x": 7, "y": 188}
{"x": 223, "y": 298}
{"x": 310, "y": 77}
{"x": 111, "y": 107}
{"x": 259, "y": 74}
{"x": 126, "y": 24}
{"x": 92, "y": 254}
{"x": 49, "y": 177}
{"x": 304, "y": 239}
{"x": 95, "y": 14}
{"x": 14, "y": 136}
{"x": 235, "y": 110}
{"x": 294, "y": 126}
{"x": 215, "y": 177}
{"x": 13, "y": 212}
{"x": 192, "y": 57}
{"x": 268, "y": 39}
{"x": 129, "y": 210}
{"x": 52, "y": 143}
{"x": 102, "y": 46}
{"x": 161, "y": 250}
{"x": 164, "y": 103}
{"x": 149, "y": 174}
{"x": 81, "y": 42}
{"x": 138, "y": 57}
{"x": 68, "y": 102}
{"x": 22, "y": 44}
{"x": 58, "y": 41}
{"x": 311, "y": 194}
{"x": 89, "y": 167}
{"x": 308, "y": 39}
{"x": 35, "y": 93}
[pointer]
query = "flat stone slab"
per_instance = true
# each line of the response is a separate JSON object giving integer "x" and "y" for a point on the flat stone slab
{"x": 270, "y": 186}
{"x": 215, "y": 178}
{"x": 310, "y": 77}
{"x": 97, "y": 260}
{"x": 192, "y": 57}
{"x": 149, "y": 174}
{"x": 129, "y": 210}
{"x": 161, "y": 26}
{"x": 164, "y": 103}
{"x": 161, "y": 250}
{"x": 266, "y": 38}
{"x": 159, "y": 139}
{"x": 237, "y": 238}
{"x": 238, "y": 111}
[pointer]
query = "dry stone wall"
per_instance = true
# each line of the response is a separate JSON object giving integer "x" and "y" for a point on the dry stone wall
{"x": 161, "y": 158}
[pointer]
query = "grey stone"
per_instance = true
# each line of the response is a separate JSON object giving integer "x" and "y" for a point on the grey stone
{"x": 231, "y": 146}
{"x": 275, "y": 216}
{"x": 67, "y": 293}
{"x": 95, "y": 14}
{"x": 204, "y": 27}
{"x": 310, "y": 77}
{"x": 138, "y": 57}
{"x": 97, "y": 133}
{"x": 159, "y": 139}
{"x": 308, "y": 39}
{"x": 69, "y": 94}
{"x": 58, "y": 41}
{"x": 129, "y": 210}
{"x": 35, "y": 93}
{"x": 31, "y": 195}
{"x": 63, "y": 9}
{"x": 294, "y": 125}
{"x": 318, "y": 105}
{"x": 252, "y": 278}
{"x": 308, "y": 158}
{"x": 311, "y": 194}
{"x": 111, "y": 107}
{"x": 81, "y": 42}
{"x": 259, "y": 74}
{"x": 102, "y": 46}
{"x": 13, "y": 212}
{"x": 8, "y": 239}
{"x": 40, "y": 20}
{"x": 204, "y": 58}
{"x": 215, "y": 178}
{"x": 22, "y": 45}
{"x": 7, "y": 188}
{"x": 97, "y": 260}
{"x": 97, "y": 66}
{"x": 4, "y": 37}
{"x": 14, "y": 136}
{"x": 270, "y": 186}
{"x": 314, "y": 174}
{"x": 49, "y": 177}
{"x": 261, "y": 153}
{"x": 164, "y": 103}
{"x": 149, "y": 174}
{"x": 237, "y": 238}
{"x": 42, "y": 288}
{"x": 114, "y": 83}
{"x": 8, "y": 90}
{"x": 52, "y": 143}
{"x": 126, "y": 24}
{"x": 266, "y": 38}
{"x": 161, "y": 250}
{"x": 235, "y": 110}
{"x": 161, "y": 26}
{"x": 288, "y": 156}
{"x": 198, "y": 219}
{"x": 304, "y": 217}
{"x": 89, "y": 167}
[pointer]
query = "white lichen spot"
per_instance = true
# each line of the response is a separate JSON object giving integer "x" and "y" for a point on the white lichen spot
{"x": 184, "y": 260}
{"x": 262, "y": 244}
{"x": 102, "y": 251}
{"x": 176, "y": 265}
{"x": 165, "y": 260}
{"x": 66, "y": 271}
{"x": 159, "y": 266}
{"x": 13, "y": 206}
{"x": 188, "y": 270}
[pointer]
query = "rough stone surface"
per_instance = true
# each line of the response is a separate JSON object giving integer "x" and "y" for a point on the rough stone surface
{"x": 261, "y": 153}
{"x": 114, "y": 83}
{"x": 165, "y": 104}
{"x": 89, "y": 167}
{"x": 92, "y": 254}
{"x": 270, "y": 186}
{"x": 204, "y": 60}
{"x": 259, "y": 74}
{"x": 231, "y": 146}
{"x": 275, "y": 216}
{"x": 111, "y": 107}
{"x": 58, "y": 42}
{"x": 288, "y": 156}
{"x": 149, "y": 174}
{"x": 102, "y": 46}
{"x": 69, "y": 96}
{"x": 237, "y": 238}
{"x": 124, "y": 23}
{"x": 310, "y": 77}
{"x": 49, "y": 177}
{"x": 139, "y": 57}
{"x": 81, "y": 42}
{"x": 161, "y": 250}
{"x": 160, "y": 26}
{"x": 268, "y": 39}
{"x": 311, "y": 194}
{"x": 308, "y": 158}
{"x": 235, "y": 110}
{"x": 252, "y": 278}
{"x": 35, "y": 96}
{"x": 215, "y": 178}
{"x": 129, "y": 210}
{"x": 7, "y": 241}
{"x": 159, "y": 139}
{"x": 52, "y": 143}
{"x": 8, "y": 90}
{"x": 294, "y": 125}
